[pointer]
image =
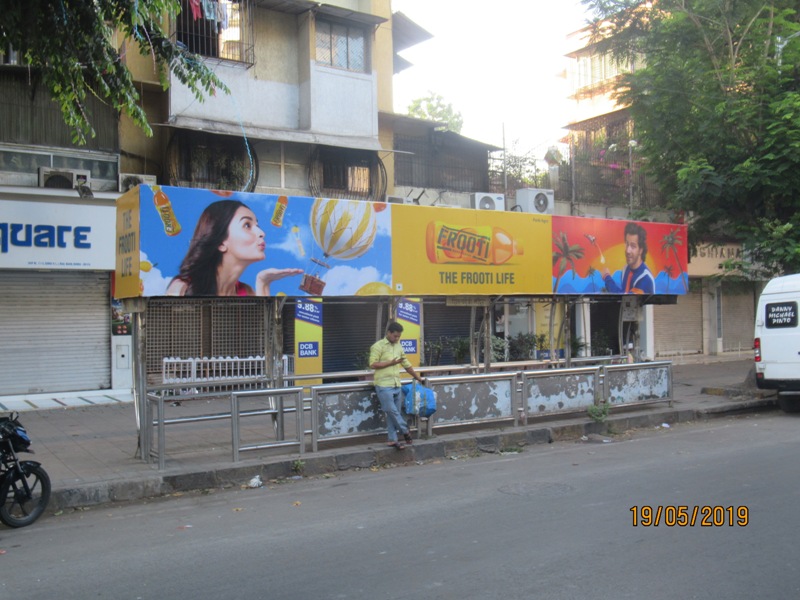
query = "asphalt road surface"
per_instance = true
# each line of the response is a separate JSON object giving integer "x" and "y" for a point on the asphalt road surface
{"x": 552, "y": 522}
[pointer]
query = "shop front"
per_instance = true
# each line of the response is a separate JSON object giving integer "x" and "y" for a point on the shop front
{"x": 60, "y": 330}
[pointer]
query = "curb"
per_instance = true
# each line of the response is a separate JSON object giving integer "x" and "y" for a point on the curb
{"x": 451, "y": 446}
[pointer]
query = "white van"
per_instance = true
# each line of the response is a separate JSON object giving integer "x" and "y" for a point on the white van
{"x": 777, "y": 341}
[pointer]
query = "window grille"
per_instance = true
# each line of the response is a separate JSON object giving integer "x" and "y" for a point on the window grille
{"x": 204, "y": 160}
{"x": 217, "y": 29}
{"x": 341, "y": 46}
{"x": 424, "y": 164}
{"x": 341, "y": 173}
{"x": 605, "y": 172}
{"x": 198, "y": 327}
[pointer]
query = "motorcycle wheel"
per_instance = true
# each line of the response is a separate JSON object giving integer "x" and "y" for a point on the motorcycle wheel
{"x": 19, "y": 509}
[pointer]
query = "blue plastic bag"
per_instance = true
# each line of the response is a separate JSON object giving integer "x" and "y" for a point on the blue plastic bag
{"x": 419, "y": 400}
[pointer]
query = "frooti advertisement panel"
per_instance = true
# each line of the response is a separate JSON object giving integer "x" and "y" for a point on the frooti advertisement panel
{"x": 597, "y": 256}
{"x": 452, "y": 251}
{"x": 193, "y": 242}
{"x": 211, "y": 243}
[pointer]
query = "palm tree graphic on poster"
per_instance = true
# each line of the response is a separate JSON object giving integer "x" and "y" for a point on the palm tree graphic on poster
{"x": 565, "y": 256}
{"x": 669, "y": 244}
{"x": 590, "y": 273}
{"x": 668, "y": 269}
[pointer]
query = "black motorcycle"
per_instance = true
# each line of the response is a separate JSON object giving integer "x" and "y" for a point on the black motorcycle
{"x": 24, "y": 485}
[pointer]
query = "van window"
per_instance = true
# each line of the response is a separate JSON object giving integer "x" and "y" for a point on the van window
{"x": 781, "y": 314}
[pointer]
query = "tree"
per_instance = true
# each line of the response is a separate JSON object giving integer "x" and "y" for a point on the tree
{"x": 716, "y": 115}
{"x": 71, "y": 48}
{"x": 434, "y": 108}
{"x": 514, "y": 169}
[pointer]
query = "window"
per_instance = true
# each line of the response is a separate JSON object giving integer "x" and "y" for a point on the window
{"x": 216, "y": 29}
{"x": 341, "y": 46}
{"x": 284, "y": 165}
{"x": 343, "y": 173}
{"x": 204, "y": 160}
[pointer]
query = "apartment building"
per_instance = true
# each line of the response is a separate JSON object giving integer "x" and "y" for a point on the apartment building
{"x": 309, "y": 113}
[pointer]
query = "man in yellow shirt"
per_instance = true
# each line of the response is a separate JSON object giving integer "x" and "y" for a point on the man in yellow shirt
{"x": 386, "y": 356}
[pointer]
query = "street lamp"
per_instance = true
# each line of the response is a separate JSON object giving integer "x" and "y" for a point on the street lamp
{"x": 631, "y": 145}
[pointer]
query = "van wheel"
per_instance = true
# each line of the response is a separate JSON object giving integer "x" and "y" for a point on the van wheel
{"x": 789, "y": 404}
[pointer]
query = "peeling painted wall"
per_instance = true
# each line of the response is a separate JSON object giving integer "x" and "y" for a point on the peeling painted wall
{"x": 625, "y": 383}
{"x": 356, "y": 411}
{"x": 349, "y": 412}
{"x": 560, "y": 392}
{"x": 473, "y": 400}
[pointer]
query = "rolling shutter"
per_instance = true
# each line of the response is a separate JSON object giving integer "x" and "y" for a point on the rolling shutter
{"x": 55, "y": 331}
{"x": 738, "y": 316}
{"x": 678, "y": 327}
{"x": 347, "y": 331}
{"x": 444, "y": 324}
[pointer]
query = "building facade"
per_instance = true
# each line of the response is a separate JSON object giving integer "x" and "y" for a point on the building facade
{"x": 309, "y": 113}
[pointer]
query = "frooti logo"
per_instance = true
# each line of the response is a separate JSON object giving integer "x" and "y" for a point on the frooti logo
{"x": 480, "y": 244}
{"x": 25, "y": 235}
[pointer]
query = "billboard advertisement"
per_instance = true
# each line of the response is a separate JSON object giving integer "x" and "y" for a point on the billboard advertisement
{"x": 609, "y": 256}
{"x": 193, "y": 242}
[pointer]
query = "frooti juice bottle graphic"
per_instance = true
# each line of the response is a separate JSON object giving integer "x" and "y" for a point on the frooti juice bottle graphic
{"x": 280, "y": 210}
{"x": 479, "y": 244}
{"x": 164, "y": 208}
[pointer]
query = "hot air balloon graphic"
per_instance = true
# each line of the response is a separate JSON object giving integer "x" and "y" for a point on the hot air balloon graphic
{"x": 343, "y": 230}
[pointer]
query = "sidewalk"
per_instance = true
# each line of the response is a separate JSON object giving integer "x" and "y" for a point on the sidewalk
{"x": 89, "y": 444}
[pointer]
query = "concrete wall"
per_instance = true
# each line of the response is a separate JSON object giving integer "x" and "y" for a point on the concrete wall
{"x": 286, "y": 89}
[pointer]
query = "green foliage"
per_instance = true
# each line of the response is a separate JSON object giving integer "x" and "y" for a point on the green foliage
{"x": 716, "y": 117}
{"x": 434, "y": 108}
{"x": 460, "y": 349}
{"x": 521, "y": 346}
{"x": 576, "y": 344}
{"x": 541, "y": 341}
{"x": 72, "y": 49}
{"x": 433, "y": 352}
{"x": 598, "y": 414}
{"x": 362, "y": 360}
{"x": 498, "y": 349}
{"x": 601, "y": 344}
{"x": 776, "y": 251}
{"x": 514, "y": 169}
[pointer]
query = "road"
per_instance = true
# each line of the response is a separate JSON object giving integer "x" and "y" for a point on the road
{"x": 551, "y": 522}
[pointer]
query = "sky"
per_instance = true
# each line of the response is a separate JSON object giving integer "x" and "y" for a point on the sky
{"x": 499, "y": 63}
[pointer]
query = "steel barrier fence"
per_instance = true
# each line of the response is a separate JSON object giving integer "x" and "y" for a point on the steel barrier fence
{"x": 275, "y": 398}
{"x": 350, "y": 410}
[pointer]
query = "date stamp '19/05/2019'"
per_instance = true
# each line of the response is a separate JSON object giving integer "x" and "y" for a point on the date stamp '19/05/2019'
{"x": 690, "y": 516}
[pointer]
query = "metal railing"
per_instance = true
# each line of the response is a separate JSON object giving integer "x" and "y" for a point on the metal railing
{"x": 276, "y": 398}
{"x": 349, "y": 410}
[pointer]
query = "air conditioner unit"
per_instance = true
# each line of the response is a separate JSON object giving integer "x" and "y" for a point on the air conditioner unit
{"x": 399, "y": 200}
{"x": 536, "y": 201}
{"x": 64, "y": 179}
{"x": 128, "y": 181}
{"x": 487, "y": 201}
